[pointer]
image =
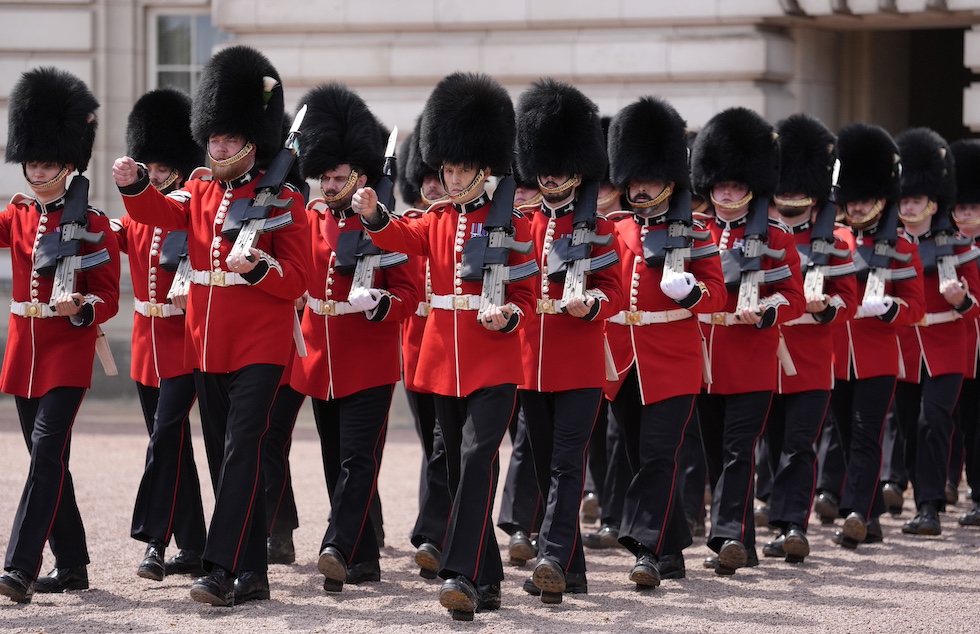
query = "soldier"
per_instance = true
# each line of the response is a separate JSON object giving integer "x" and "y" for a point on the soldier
{"x": 924, "y": 400}
{"x": 867, "y": 354}
{"x": 349, "y": 312}
{"x": 168, "y": 502}
{"x": 734, "y": 163}
{"x": 802, "y": 199}
{"x": 237, "y": 115}
{"x": 656, "y": 341}
{"x": 53, "y": 331}
{"x": 471, "y": 355}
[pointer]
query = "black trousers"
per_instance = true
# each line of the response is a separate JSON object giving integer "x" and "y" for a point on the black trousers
{"x": 619, "y": 472}
{"x": 692, "y": 471}
{"x": 831, "y": 464}
{"x": 47, "y": 510}
{"x": 793, "y": 428}
{"x": 434, "y": 499}
{"x": 236, "y": 407}
{"x": 280, "y": 503}
{"x": 860, "y": 407}
{"x": 597, "y": 463}
{"x": 521, "y": 503}
{"x": 352, "y": 439}
{"x": 730, "y": 427}
{"x": 559, "y": 425}
{"x": 969, "y": 413}
{"x": 653, "y": 512}
{"x": 168, "y": 501}
{"x": 473, "y": 427}
{"x": 893, "y": 446}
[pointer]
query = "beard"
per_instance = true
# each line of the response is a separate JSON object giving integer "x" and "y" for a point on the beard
{"x": 339, "y": 205}
{"x": 793, "y": 212}
{"x": 230, "y": 172}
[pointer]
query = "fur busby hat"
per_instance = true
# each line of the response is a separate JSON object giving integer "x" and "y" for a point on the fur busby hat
{"x": 406, "y": 189}
{"x": 647, "y": 142}
{"x": 469, "y": 120}
{"x": 807, "y": 151}
{"x": 736, "y": 145}
{"x": 559, "y": 132}
{"x": 927, "y": 166}
{"x": 413, "y": 167}
{"x": 869, "y": 164}
{"x": 966, "y": 154}
{"x": 340, "y": 128}
{"x": 240, "y": 93}
{"x": 51, "y": 118}
{"x": 159, "y": 131}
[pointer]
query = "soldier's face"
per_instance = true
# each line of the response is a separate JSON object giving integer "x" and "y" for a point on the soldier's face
{"x": 967, "y": 218}
{"x": 912, "y": 210}
{"x": 158, "y": 173}
{"x": 223, "y": 146}
{"x": 432, "y": 189}
{"x": 644, "y": 192}
{"x": 552, "y": 181}
{"x": 333, "y": 182}
{"x": 794, "y": 212}
{"x": 40, "y": 172}
{"x": 729, "y": 192}
{"x": 524, "y": 194}
{"x": 861, "y": 214}
{"x": 457, "y": 178}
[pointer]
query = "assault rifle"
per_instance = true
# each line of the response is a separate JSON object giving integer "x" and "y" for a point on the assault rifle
{"x": 946, "y": 240}
{"x": 883, "y": 252}
{"x": 173, "y": 258}
{"x": 754, "y": 248}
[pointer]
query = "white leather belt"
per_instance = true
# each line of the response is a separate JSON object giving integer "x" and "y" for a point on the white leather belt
{"x": 547, "y": 307}
{"x": 719, "y": 319}
{"x": 647, "y": 317}
{"x": 932, "y": 319}
{"x": 32, "y": 310}
{"x": 455, "y": 302}
{"x": 217, "y": 278}
{"x": 423, "y": 309}
{"x": 152, "y": 309}
{"x": 329, "y": 307}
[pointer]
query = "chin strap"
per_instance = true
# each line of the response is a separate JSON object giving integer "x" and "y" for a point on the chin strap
{"x": 868, "y": 219}
{"x": 738, "y": 204}
{"x": 234, "y": 159}
{"x": 343, "y": 192}
{"x": 662, "y": 196}
{"x": 561, "y": 189}
{"x": 54, "y": 182}
{"x": 926, "y": 212}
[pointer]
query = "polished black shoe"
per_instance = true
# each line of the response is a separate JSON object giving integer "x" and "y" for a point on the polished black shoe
{"x": 364, "y": 572}
{"x": 575, "y": 583}
{"x": 251, "y": 586}
{"x": 671, "y": 566}
{"x": 549, "y": 577}
{"x": 218, "y": 588}
{"x": 711, "y": 561}
{"x": 186, "y": 562}
{"x": 875, "y": 535}
{"x": 590, "y": 508}
{"x": 971, "y": 517}
{"x": 62, "y": 580}
{"x": 645, "y": 573}
{"x": 488, "y": 597}
{"x": 279, "y": 548}
{"x": 795, "y": 545}
{"x": 521, "y": 550}
{"x": 761, "y": 515}
{"x": 17, "y": 586}
{"x": 152, "y": 567}
{"x": 855, "y": 527}
{"x": 606, "y": 537}
{"x": 844, "y": 542}
{"x": 774, "y": 548}
{"x": 731, "y": 557}
{"x": 893, "y": 498}
{"x": 333, "y": 567}
{"x": 460, "y": 597}
{"x": 952, "y": 495}
{"x": 427, "y": 557}
{"x": 827, "y": 506}
{"x": 926, "y": 522}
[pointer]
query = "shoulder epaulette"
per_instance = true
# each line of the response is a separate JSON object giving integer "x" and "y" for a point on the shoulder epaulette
{"x": 21, "y": 199}
{"x": 518, "y": 213}
{"x": 700, "y": 217}
{"x": 776, "y": 222}
{"x": 97, "y": 212}
{"x": 318, "y": 205}
{"x": 201, "y": 173}
{"x": 290, "y": 187}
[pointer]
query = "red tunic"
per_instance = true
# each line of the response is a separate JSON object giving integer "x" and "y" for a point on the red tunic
{"x": 348, "y": 353}
{"x": 668, "y": 356}
{"x": 231, "y": 327}
{"x": 458, "y": 355}
{"x": 42, "y": 354}
{"x": 562, "y": 352}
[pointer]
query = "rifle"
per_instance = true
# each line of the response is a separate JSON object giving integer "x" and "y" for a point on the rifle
{"x": 946, "y": 240}
{"x": 247, "y": 219}
{"x": 883, "y": 252}
{"x": 672, "y": 248}
{"x": 754, "y": 248}
{"x": 821, "y": 250}
{"x": 173, "y": 257}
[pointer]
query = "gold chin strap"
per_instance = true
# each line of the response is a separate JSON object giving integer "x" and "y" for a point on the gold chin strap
{"x": 608, "y": 198}
{"x": 926, "y": 212}
{"x": 702, "y": 208}
{"x": 349, "y": 185}
{"x": 533, "y": 200}
{"x": 174, "y": 175}
{"x": 479, "y": 178}
{"x": 561, "y": 189}
{"x": 43, "y": 187}
{"x": 866, "y": 219}
{"x": 794, "y": 203}
{"x": 662, "y": 196}
{"x": 731, "y": 206}
{"x": 234, "y": 159}
{"x": 966, "y": 223}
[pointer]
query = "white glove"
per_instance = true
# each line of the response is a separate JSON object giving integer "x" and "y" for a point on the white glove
{"x": 364, "y": 299}
{"x": 677, "y": 286}
{"x": 876, "y": 307}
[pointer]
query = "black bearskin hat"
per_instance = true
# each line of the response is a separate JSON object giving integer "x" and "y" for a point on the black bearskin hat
{"x": 869, "y": 164}
{"x": 51, "y": 118}
{"x": 927, "y": 166}
{"x": 966, "y": 154}
{"x": 340, "y": 128}
{"x": 159, "y": 131}
{"x": 240, "y": 93}
{"x": 469, "y": 120}
{"x": 647, "y": 142}
{"x": 412, "y": 165}
{"x": 807, "y": 152}
{"x": 559, "y": 132}
{"x": 736, "y": 145}
{"x": 406, "y": 189}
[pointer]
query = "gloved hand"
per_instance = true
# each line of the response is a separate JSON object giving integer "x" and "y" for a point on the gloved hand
{"x": 677, "y": 286}
{"x": 364, "y": 299}
{"x": 876, "y": 307}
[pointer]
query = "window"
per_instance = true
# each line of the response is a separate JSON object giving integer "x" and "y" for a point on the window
{"x": 180, "y": 44}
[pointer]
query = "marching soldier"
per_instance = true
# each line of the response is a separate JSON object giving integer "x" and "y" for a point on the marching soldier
{"x": 735, "y": 164}
{"x": 656, "y": 341}
{"x": 471, "y": 354}
{"x": 53, "y": 331}
{"x": 168, "y": 502}
{"x": 802, "y": 199}
{"x": 237, "y": 115}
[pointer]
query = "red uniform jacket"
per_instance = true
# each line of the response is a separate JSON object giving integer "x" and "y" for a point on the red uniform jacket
{"x": 742, "y": 357}
{"x": 562, "y": 352}
{"x": 668, "y": 356}
{"x": 349, "y": 353}
{"x": 46, "y": 353}
{"x": 231, "y": 327}
{"x": 810, "y": 342}
{"x": 458, "y": 355}
{"x": 940, "y": 346}
{"x": 155, "y": 339}
{"x": 868, "y": 347}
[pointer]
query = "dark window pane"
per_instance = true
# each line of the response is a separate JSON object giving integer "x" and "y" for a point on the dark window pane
{"x": 177, "y": 79}
{"x": 174, "y": 39}
{"x": 206, "y": 37}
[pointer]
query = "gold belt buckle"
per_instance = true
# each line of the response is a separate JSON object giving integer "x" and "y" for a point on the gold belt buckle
{"x": 634, "y": 318}
{"x": 461, "y": 302}
{"x": 218, "y": 278}
{"x": 425, "y": 308}
{"x": 329, "y": 308}
{"x": 546, "y": 306}
{"x": 33, "y": 310}
{"x": 924, "y": 322}
{"x": 154, "y": 310}
{"x": 719, "y": 319}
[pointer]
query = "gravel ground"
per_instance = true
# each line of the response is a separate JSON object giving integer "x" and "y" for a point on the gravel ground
{"x": 907, "y": 584}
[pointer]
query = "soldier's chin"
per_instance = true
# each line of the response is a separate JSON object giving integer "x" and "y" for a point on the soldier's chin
{"x": 793, "y": 212}
{"x": 228, "y": 172}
